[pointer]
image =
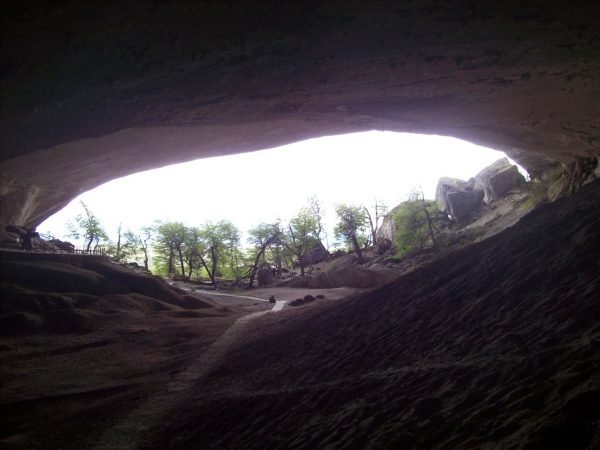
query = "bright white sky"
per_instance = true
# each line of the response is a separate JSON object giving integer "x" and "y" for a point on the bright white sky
{"x": 262, "y": 186}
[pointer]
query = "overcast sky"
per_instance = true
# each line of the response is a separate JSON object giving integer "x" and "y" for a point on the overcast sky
{"x": 262, "y": 186}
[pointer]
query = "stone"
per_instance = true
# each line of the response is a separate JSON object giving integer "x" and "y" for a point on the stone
{"x": 383, "y": 245}
{"x": 458, "y": 198}
{"x": 316, "y": 253}
{"x": 497, "y": 179}
{"x": 264, "y": 276}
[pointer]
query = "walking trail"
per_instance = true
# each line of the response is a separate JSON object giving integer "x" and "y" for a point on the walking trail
{"x": 130, "y": 432}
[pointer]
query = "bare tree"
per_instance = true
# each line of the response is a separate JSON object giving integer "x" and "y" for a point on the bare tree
{"x": 375, "y": 219}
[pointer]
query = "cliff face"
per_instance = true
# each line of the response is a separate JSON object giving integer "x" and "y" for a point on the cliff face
{"x": 94, "y": 92}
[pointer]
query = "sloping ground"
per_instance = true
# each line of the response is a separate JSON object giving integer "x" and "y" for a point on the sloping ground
{"x": 494, "y": 346}
{"x": 69, "y": 293}
{"x": 84, "y": 342}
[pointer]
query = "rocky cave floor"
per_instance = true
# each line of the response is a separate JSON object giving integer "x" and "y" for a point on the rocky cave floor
{"x": 496, "y": 344}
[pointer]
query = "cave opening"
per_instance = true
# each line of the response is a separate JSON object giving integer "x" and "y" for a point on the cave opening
{"x": 272, "y": 184}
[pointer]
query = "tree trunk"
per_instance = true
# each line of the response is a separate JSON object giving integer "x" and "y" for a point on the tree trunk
{"x": 214, "y": 257}
{"x": 181, "y": 262}
{"x": 253, "y": 271}
{"x": 357, "y": 249}
{"x": 373, "y": 227}
{"x": 170, "y": 262}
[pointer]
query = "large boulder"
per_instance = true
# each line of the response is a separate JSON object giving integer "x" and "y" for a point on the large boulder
{"x": 383, "y": 245}
{"x": 458, "y": 198}
{"x": 265, "y": 276}
{"x": 315, "y": 254}
{"x": 497, "y": 179}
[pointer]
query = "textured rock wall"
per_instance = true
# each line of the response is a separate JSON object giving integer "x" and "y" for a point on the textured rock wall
{"x": 93, "y": 91}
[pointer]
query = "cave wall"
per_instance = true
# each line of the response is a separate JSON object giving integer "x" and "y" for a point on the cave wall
{"x": 91, "y": 92}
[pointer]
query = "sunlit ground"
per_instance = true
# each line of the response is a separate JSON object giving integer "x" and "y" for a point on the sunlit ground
{"x": 266, "y": 185}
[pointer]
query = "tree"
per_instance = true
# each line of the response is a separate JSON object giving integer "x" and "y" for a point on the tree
{"x": 298, "y": 236}
{"x": 219, "y": 249}
{"x": 375, "y": 219}
{"x": 193, "y": 251}
{"x": 123, "y": 248}
{"x": 262, "y": 237}
{"x": 351, "y": 227}
{"x": 316, "y": 210}
{"x": 140, "y": 241}
{"x": 414, "y": 223}
{"x": 169, "y": 242}
{"x": 87, "y": 226}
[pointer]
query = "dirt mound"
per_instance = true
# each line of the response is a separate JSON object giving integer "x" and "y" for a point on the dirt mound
{"x": 495, "y": 345}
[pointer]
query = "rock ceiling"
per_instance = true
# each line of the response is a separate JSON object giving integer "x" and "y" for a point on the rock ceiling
{"x": 92, "y": 91}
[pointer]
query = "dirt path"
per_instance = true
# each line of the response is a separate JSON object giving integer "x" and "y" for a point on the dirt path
{"x": 130, "y": 432}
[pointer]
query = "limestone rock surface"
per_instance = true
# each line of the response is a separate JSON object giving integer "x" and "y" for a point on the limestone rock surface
{"x": 497, "y": 179}
{"x": 458, "y": 198}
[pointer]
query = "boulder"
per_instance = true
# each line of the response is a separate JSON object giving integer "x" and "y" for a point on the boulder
{"x": 264, "y": 276}
{"x": 497, "y": 179}
{"x": 458, "y": 198}
{"x": 383, "y": 245}
{"x": 315, "y": 254}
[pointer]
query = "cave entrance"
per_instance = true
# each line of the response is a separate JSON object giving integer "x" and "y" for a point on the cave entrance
{"x": 263, "y": 186}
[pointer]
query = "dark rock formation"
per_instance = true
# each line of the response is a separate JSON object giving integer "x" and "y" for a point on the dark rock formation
{"x": 497, "y": 179}
{"x": 315, "y": 254}
{"x": 66, "y": 293}
{"x": 93, "y": 92}
{"x": 264, "y": 276}
{"x": 458, "y": 198}
{"x": 383, "y": 245}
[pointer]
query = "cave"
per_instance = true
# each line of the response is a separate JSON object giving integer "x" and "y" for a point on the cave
{"x": 95, "y": 91}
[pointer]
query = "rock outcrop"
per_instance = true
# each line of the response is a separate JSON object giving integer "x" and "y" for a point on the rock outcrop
{"x": 264, "y": 276}
{"x": 497, "y": 179}
{"x": 458, "y": 198}
{"x": 316, "y": 253}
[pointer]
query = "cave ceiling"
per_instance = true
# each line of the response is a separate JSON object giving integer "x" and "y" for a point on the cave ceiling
{"x": 96, "y": 90}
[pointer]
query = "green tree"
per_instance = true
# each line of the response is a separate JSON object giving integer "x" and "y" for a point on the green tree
{"x": 297, "y": 238}
{"x": 123, "y": 248}
{"x": 414, "y": 221}
{"x": 218, "y": 249}
{"x": 316, "y": 210}
{"x": 139, "y": 241}
{"x": 351, "y": 227}
{"x": 87, "y": 226}
{"x": 169, "y": 246}
{"x": 263, "y": 237}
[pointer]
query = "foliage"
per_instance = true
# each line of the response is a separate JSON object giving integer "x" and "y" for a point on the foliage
{"x": 540, "y": 188}
{"x": 265, "y": 237}
{"x": 123, "y": 248}
{"x": 168, "y": 248}
{"x": 352, "y": 227}
{"x": 211, "y": 250}
{"x": 413, "y": 222}
{"x": 139, "y": 242}
{"x": 87, "y": 226}
{"x": 298, "y": 233}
